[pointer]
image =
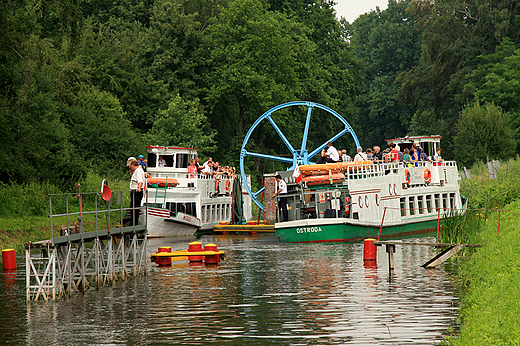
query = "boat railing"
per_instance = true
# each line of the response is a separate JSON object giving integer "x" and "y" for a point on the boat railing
{"x": 208, "y": 185}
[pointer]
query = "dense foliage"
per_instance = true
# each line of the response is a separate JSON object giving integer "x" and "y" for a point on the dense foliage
{"x": 86, "y": 83}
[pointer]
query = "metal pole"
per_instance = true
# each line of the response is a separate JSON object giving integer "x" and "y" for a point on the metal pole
{"x": 380, "y": 228}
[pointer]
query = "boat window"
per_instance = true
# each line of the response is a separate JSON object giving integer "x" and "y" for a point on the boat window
{"x": 420, "y": 204}
{"x": 168, "y": 160}
{"x": 445, "y": 201}
{"x": 452, "y": 201}
{"x": 182, "y": 161}
{"x": 151, "y": 159}
{"x": 403, "y": 206}
{"x": 437, "y": 201}
{"x": 411, "y": 205}
{"x": 429, "y": 204}
{"x": 172, "y": 207}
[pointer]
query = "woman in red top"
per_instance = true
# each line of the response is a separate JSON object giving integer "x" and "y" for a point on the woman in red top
{"x": 192, "y": 168}
{"x": 394, "y": 153}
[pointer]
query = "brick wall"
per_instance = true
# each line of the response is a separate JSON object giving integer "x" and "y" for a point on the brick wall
{"x": 270, "y": 202}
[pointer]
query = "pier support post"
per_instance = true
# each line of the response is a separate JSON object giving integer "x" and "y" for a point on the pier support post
{"x": 390, "y": 249}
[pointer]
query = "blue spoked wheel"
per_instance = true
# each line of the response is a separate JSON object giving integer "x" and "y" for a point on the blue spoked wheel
{"x": 300, "y": 156}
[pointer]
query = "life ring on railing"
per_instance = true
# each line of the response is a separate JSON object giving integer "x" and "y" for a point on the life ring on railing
{"x": 427, "y": 176}
{"x": 407, "y": 176}
{"x": 216, "y": 186}
{"x": 228, "y": 187}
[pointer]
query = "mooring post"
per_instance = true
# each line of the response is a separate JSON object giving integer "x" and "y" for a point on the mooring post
{"x": 390, "y": 248}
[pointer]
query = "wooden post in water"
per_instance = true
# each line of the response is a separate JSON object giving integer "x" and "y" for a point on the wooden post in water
{"x": 390, "y": 249}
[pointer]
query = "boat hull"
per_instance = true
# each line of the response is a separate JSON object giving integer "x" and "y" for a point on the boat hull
{"x": 160, "y": 224}
{"x": 336, "y": 230}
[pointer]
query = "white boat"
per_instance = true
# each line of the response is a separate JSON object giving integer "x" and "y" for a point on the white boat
{"x": 182, "y": 203}
{"x": 356, "y": 200}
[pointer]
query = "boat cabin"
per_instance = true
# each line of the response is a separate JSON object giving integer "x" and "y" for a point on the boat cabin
{"x": 429, "y": 144}
{"x": 176, "y": 159}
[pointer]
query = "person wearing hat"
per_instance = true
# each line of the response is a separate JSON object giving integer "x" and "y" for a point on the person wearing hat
{"x": 142, "y": 162}
{"x": 137, "y": 182}
{"x": 282, "y": 203}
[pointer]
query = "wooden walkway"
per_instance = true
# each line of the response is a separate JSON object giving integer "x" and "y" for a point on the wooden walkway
{"x": 449, "y": 250}
{"x": 219, "y": 229}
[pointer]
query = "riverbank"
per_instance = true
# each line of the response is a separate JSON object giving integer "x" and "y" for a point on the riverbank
{"x": 489, "y": 276}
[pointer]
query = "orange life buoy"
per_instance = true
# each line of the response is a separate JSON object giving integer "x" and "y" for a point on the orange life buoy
{"x": 427, "y": 176}
{"x": 407, "y": 176}
{"x": 228, "y": 187}
{"x": 216, "y": 186}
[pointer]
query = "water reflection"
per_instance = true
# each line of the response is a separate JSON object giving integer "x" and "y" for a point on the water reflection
{"x": 289, "y": 294}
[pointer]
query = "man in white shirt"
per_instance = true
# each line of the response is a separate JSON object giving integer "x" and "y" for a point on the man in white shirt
{"x": 282, "y": 203}
{"x": 136, "y": 189}
{"x": 331, "y": 155}
{"x": 360, "y": 156}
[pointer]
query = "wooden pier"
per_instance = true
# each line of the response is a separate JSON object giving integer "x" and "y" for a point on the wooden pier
{"x": 77, "y": 259}
{"x": 219, "y": 229}
{"x": 449, "y": 250}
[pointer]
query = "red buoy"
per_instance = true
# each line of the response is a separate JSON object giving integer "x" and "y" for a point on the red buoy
{"x": 213, "y": 259}
{"x": 195, "y": 246}
{"x": 9, "y": 259}
{"x": 370, "y": 250}
{"x": 164, "y": 261}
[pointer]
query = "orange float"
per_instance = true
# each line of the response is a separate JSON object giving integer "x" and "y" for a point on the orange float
{"x": 427, "y": 176}
{"x": 307, "y": 170}
{"x": 323, "y": 179}
{"x": 162, "y": 182}
{"x": 407, "y": 176}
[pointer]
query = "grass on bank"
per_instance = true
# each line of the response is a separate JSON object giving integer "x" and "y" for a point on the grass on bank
{"x": 24, "y": 209}
{"x": 489, "y": 276}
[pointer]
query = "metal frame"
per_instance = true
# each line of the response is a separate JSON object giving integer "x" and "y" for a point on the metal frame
{"x": 64, "y": 264}
{"x": 299, "y": 156}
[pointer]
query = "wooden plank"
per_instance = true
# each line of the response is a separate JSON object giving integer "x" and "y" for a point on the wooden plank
{"x": 443, "y": 256}
{"x": 439, "y": 245}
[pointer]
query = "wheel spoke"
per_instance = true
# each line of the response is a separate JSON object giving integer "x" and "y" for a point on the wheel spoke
{"x": 282, "y": 136}
{"x": 306, "y": 130}
{"x": 269, "y": 157}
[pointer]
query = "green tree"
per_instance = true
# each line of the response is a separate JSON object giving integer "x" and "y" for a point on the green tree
{"x": 182, "y": 124}
{"x": 483, "y": 133}
{"x": 497, "y": 80}
{"x": 453, "y": 34}
{"x": 388, "y": 43}
{"x": 259, "y": 59}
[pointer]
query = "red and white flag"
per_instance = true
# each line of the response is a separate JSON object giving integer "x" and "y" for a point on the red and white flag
{"x": 297, "y": 174}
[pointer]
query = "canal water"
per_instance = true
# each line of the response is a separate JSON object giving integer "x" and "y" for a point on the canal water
{"x": 264, "y": 292}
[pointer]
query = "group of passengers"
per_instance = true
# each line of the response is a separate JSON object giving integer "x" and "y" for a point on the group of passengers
{"x": 211, "y": 168}
{"x": 390, "y": 154}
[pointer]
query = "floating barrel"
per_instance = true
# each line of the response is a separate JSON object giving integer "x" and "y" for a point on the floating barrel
{"x": 213, "y": 259}
{"x": 195, "y": 246}
{"x": 164, "y": 261}
{"x": 9, "y": 259}
{"x": 370, "y": 250}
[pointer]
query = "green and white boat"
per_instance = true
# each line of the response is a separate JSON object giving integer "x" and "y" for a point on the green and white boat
{"x": 372, "y": 201}
{"x": 348, "y": 202}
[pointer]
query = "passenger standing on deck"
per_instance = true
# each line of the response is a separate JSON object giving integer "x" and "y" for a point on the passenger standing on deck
{"x": 360, "y": 156}
{"x": 136, "y": 189}
{"x": 378, "y": 155}
{"x": 282, "y": 203}
{"x": 142, "y": 163}
{"x": 331, "y": 155}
